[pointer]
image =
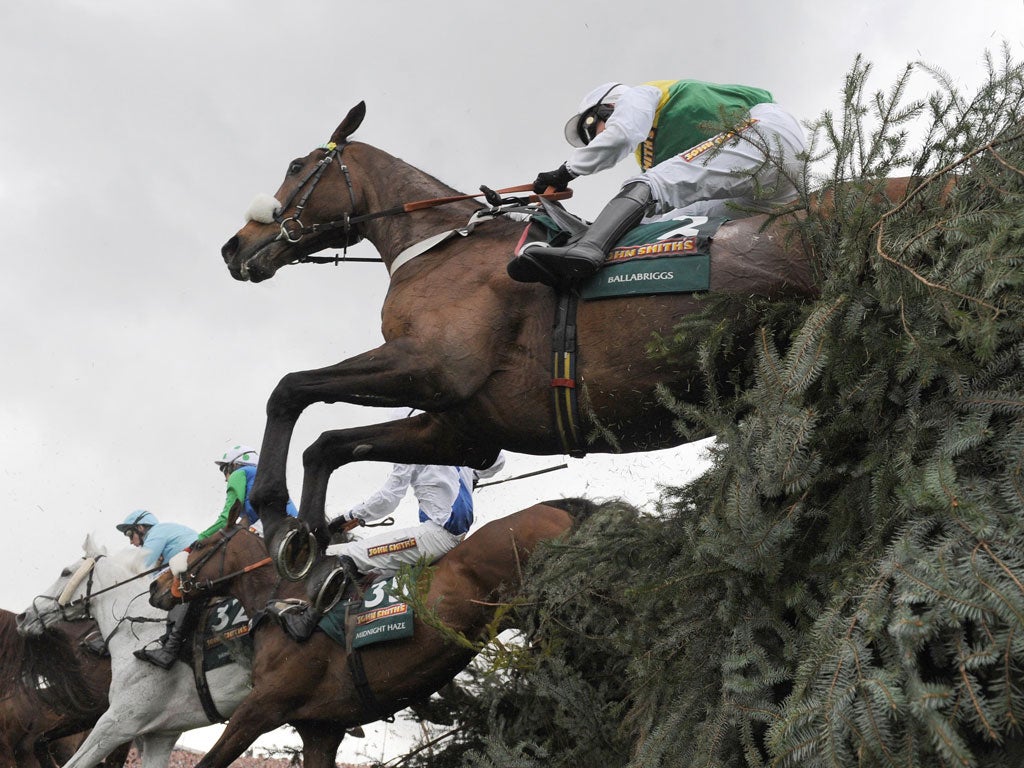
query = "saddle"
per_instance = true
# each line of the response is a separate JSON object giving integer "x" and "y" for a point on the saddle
{"x": 367, "y": 613}
{"x": 670, "y": 256}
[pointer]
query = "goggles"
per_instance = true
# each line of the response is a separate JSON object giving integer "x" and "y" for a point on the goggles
{"x": 587, "y": 126}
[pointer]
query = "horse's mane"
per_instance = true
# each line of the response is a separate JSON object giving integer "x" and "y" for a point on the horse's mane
{"x": 51, "y": 671}
{"x": 51, "y": 663}
{"x": 579, "y": 509}
{"x": 128, "y": 560}
{"x": 12, "y": 650}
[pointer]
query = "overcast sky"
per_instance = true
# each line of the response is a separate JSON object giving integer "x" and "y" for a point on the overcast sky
{"x": 134, "y": 136}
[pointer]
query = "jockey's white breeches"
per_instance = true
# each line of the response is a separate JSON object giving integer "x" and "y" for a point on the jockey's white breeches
{"x": 387, "y": 552}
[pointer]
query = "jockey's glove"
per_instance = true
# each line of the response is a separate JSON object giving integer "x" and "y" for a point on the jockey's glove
{"x": 558, "y": 178}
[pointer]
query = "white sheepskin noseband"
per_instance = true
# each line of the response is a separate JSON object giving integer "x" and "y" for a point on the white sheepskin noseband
{"x": 263, "y": 209}
{"x": 76, "y": 579}
{"x": 179, "y": 563}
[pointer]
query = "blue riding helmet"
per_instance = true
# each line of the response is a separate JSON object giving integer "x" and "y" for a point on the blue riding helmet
{"x": 138, "y": 517}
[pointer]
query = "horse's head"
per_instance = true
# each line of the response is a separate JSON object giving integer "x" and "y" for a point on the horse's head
{"x": 211, "y": 566}
{"x": 309, "y": 212}
{"x": 69, "y": 597}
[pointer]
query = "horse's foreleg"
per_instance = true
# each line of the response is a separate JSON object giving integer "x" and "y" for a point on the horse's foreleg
{"x": 418, "y": 440}
{"x": 320, "y": 743}
{"x": 399, "y": 373}
{"x": 112, "y": 730}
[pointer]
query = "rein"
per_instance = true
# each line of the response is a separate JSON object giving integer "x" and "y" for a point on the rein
{"x": 293, "y": 230}
{"x": 70, "y": 610}
{"x": 186, "y": 584}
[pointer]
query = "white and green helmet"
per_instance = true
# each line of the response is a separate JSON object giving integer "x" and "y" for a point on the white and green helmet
{"x": 239, "y": 455}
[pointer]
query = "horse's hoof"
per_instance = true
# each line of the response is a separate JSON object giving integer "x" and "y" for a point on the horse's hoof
{"x": 294, "y": 552}
{"x": 326, "y": 585}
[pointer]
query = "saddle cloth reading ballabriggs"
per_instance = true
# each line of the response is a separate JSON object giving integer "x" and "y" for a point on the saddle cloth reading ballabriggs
{"x": 671, "y": 256}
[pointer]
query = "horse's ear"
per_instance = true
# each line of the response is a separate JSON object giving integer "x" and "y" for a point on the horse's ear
{"x": 91, "y": 548}
{"x": 352, "y": 121}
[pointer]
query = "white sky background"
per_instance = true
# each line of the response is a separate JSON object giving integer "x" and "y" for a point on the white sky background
{"x": 134, "y": 136}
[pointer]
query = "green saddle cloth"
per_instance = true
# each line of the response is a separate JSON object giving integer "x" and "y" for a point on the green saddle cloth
{"x": 671, "y": 256}
{"x": 378, "y": 617}
{"x": 662, "y": 257}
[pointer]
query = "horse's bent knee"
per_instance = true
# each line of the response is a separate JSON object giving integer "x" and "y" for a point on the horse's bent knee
{"x": 313, "y": 457}
{"x": 269, "y": 500}
{"x": 282, "y": 401}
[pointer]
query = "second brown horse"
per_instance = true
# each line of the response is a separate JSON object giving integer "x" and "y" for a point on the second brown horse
{"x": 310, "y": 685}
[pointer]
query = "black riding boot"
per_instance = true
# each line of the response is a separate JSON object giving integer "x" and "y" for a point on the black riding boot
{"x": 179, "y": 623}
{"x": 558, "y": 267}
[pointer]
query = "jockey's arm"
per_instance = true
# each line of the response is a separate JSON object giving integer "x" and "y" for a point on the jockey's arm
{"x": 235, "y": 494}
{"x": 384, "y": 501}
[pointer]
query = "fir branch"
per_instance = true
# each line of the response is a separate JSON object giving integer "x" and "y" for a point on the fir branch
{"x": 882, "y": 220}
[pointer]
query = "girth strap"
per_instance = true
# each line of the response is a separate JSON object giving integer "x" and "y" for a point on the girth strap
{"x": 563, "y": 374}
{"x": 363, "y": 690}
{"x": 199, "y": 671}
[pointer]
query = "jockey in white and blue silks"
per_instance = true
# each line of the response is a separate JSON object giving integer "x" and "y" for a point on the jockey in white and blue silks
{"x": 445, "y": 496}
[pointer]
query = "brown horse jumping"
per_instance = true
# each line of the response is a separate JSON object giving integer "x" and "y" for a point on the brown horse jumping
{"x": 465, "y": 343}
{"x": 311, "y": 686}
{"x": 40, "y": 728}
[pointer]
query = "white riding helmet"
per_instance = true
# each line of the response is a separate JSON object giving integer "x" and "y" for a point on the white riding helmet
{"x": 605, "y": 94}
{"x": 238, "y": 454}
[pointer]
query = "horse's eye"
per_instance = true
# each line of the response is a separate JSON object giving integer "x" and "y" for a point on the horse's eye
{"x": 65, "y": 573}
{"x": 295, "y": 167}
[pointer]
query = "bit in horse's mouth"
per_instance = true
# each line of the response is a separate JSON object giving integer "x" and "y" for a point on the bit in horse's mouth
{"x": 245, "y": 269}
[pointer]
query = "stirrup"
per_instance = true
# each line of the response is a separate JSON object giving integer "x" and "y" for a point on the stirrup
{"x": 95, "y": 644}
{"x": 525, "y": 268}
{"x": 164, "y": 662}
{"x": 296, "y": 617}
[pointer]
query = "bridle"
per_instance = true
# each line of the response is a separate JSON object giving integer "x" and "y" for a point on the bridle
{"x": 293, "y": 230}
{"x": 79, "y": 609}
{"x": 186, "y": 583}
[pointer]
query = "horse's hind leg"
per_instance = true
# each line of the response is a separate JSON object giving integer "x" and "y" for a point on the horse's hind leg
{"x": 157, "y": 749}
{"x": 320, "y": 742}
{"x": 253, "y": 718}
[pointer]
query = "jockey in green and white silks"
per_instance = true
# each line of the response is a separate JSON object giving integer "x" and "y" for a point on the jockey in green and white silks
{"x": 689, "y": 165}
{"x": 674, "y": 128}
{"x": 445, "y": 497}
{"x": 238, "y": 463}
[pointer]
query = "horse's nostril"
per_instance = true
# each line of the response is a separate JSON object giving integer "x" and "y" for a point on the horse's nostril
{"x": 229, "y": 249}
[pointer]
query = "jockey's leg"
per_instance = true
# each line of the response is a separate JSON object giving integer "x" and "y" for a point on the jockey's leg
{"x": 566, "y": 265}
{"x": 180, "y": 620}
